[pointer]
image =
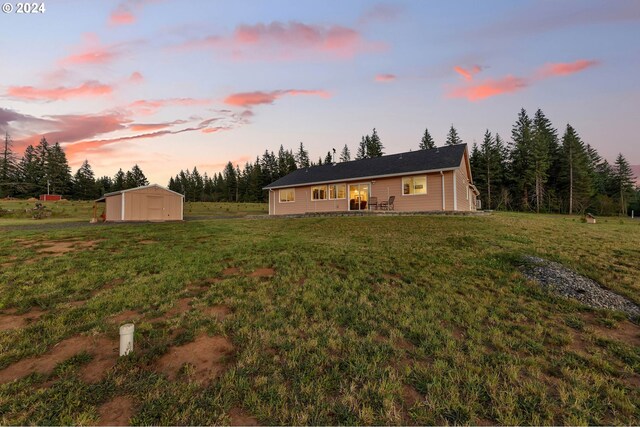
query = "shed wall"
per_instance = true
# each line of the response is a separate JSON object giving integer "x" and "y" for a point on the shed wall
{"x": 113, "y": 207}
{"x": 152, "y": 204}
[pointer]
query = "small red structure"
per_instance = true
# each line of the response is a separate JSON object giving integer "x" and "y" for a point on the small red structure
{"x": 50, "y": 197}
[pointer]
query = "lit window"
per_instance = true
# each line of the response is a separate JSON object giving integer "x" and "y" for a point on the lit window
{"x": 287, "y": 195}
{"x": 414, "y": 185}
{"x": 319, "y": 192}
{"x": 338, "y": 191}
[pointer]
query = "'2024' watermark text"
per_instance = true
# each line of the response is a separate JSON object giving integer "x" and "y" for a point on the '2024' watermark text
{"x": 24, "y": 8}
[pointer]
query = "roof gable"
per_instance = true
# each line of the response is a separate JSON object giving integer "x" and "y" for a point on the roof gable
{"x": 113, "y": 193}
{"x": 435, "y": 159}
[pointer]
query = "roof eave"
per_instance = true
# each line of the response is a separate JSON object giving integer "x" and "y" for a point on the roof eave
{"x": 305, "y": 184}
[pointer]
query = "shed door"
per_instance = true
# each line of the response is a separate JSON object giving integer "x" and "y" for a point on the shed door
{"x": 154, "y": 207}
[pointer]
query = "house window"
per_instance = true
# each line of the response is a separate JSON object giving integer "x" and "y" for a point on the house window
{"x": 338, "y": 191}
{"x": 414, "y": 185}
{"x": 319, "y": 192}
{"x": 287, "y": 195}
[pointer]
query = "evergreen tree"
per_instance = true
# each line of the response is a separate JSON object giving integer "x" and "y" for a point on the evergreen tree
{"x": 328, "y": 159}
{"x": 575, "y": 176}
{"x": 374, "y": 145}
{"x": 624, "y": 182}
{"x": 452, "y": 137}
{"x": 8, "y": 169}
{"x": 362, "y": 149}
{"x": 41, "y": 157}
{"x": 58, "y": 171}
{"x": 104, "y": 184}
{"x": 544, "y": 136}
{"x": 522, "y": 174}
{"x": 29, "y": 172}
{"x": 84, "y": 183}
{"x": 119, "y": 181}
{"x": 345, "y": 154}
{"x": 231, "y": 182}
{"x": 137, "y": 178}
{"x": 427, "y": 141}
{"x": 302, "y": 157}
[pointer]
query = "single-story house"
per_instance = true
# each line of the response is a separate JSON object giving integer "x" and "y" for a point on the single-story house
{"x": 438, "y": 179}
{"x": 147, "y": 203}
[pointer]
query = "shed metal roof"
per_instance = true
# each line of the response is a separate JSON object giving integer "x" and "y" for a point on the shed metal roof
{"x": 435, "y": 159}
{"x": 113, "y": 193}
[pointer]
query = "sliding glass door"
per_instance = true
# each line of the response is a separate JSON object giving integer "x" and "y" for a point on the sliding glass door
{"x": 358, "y": 197}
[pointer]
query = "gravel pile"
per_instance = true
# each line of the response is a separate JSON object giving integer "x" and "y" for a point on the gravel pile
{"x": 565, "y": 282}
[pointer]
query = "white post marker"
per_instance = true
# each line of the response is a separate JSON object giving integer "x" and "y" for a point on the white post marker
{"x": 126, "y": 339}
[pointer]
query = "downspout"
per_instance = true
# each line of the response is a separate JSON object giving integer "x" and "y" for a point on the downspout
{"x": 455, "y": 193}
{"x": 443, "y": 201}
{"x": 122, "y": 208}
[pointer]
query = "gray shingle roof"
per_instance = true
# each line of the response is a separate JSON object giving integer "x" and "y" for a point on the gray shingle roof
{"x": 413, "y": 161}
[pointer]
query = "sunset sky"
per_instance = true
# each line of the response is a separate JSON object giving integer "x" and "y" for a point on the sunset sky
{"x": 175, "y": 84}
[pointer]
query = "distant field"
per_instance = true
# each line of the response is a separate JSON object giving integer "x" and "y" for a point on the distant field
{"x": 385, "y": 320}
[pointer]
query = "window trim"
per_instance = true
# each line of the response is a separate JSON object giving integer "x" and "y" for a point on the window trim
{"x": 336, "y": 185}
{"x": 293, "y": 190}
{"x": 412, "y": 177}
{"x": 326, "y": 192}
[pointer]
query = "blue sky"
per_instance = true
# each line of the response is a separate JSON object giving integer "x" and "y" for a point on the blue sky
{"x": 171, "y": 85}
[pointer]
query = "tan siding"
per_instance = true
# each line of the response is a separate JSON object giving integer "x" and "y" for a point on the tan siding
{"x": 304, "y": 204}
{"x": 113, "y": 208}
{"x": 148, "y": 204}
{"x": 382, "y": 189}
{"x": 462, "y": 182}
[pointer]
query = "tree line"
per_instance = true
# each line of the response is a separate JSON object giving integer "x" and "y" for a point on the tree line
{"x": 44, "y": 169}
{"x": 537, "y": 170}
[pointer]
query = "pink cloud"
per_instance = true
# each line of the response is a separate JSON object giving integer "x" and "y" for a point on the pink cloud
{"x": 91, "y": 51}
{"x": 79, "y": 149}
{"x": 121, "y": 17}
{"x": 383, "y": 78}
{"x": 89, "y": 88}
{"x": 488, "y": 88}
{"x": 467, "y": 73}
{"x": 565, "y": 68}
{"x": 510, "y": 84}
{"x": 136, "y": 77}
{"x": 124, "y": 13}
{"x": 249, "y": 99}
{"x": 148, "y": 107}
{"x": 286, "y": 41}
{"x": 70, "y": 127}
{"x": 146, "y": 127}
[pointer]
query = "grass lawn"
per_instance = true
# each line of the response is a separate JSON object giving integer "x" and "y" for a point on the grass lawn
{"x": 348, "y": 320}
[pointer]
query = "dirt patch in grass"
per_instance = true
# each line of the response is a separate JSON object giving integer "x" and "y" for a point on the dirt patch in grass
{"x": 116, "y": 412}
{"x": 99, "y": 346}
{"x": 411, "y": 396}
{"x": 61, "y": 247}
{"x": 105, "y": 354}
{"x": 578, "y": 344}
{"x": 263, "y": 272}
{"x": 212, "y": 280}
{"x": 15, "y": 321}
{"x": 237, "y": 417}
{"x": 147, "y": 242}
{"x": 206, "y": 355}
{"x": 231, "y": 271}
{"x": 125, "y": 317}
{"x": 220, "y": 312}
{"x": 404, "y": 344}
{"x": 302, "y": 281}
{"x": 624, "y": 331}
